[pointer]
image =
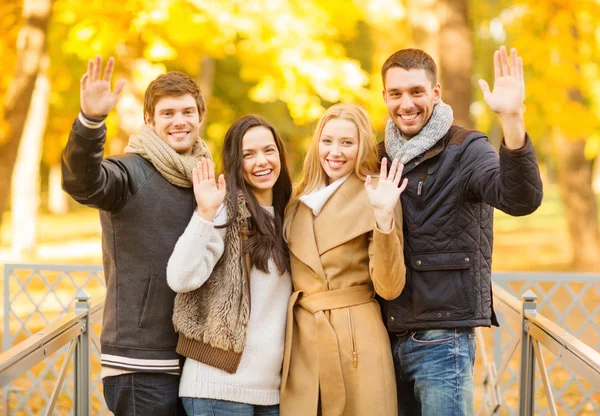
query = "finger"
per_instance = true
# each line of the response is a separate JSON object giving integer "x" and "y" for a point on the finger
{"x": 195, "y": 176}
{"x": 513, "y": 62}
{"x": 108, "y": 71}
{"x": 222, "y": 184}
{"x": 211, "y": 170}
{"x": 91, "y": 69}
{"x": 84, "y": 80}
{"x": 368, "y": 181}
{"x": 497, "y": 65}
{"x": 520, "y": 75}
{"x": 404, "y": 184}
{"x": 383, "y": 171}
{"x": 398, "y": 174}
{"x": 198, "y": 171}
{"x": 504, "y": 61}
{"x": 204, "y": 169}
{"x": 485, "y": 88}
{"x": 392, "y": 172}
{"x": 98, "y": 67}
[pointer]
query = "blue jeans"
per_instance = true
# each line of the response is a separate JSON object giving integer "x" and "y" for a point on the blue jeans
{"x": 210, "y": 407}
{"x": 434, "y": 372}
{"x": 140, "y": 394}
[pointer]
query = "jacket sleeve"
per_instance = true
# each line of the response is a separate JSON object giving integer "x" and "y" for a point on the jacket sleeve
{"x": 386, "y": 259}
{"x": 509, "y": 181}
{"x": 196, "y": 253}
{"x": 86, "y": 176}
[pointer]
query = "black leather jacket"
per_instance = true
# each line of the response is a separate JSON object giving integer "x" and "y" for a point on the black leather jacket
{"x": 448, "y": 228}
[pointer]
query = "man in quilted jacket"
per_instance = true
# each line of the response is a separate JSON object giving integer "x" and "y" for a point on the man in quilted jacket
{"x": 455, "y": 179}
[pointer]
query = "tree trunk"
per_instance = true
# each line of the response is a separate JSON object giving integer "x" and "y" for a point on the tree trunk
{"x": 423, "y": 19}
{"x": 57, "y": 198}
{"x": 31, "y": 46}
{"x": 575, "y": 183}
{"x": 456, "y": 58}
{"x": 206, "y": 82}
{"x": 26, "y": 176}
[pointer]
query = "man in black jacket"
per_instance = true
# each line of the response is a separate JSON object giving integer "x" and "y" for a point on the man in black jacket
{"x": 145, "y": 200}
{"x": 455, "y": 178}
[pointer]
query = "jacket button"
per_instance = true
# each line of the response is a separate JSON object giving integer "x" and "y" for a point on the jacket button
{"x": 439, "y": 315}
{"x": 392, "y": 318}
{"x": 447, "y": 313}
{"x": 418, "y": 262}
{"x": 467, "y": 259}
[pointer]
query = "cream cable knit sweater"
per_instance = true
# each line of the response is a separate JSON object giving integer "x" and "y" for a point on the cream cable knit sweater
{"x": 259, "y": 373}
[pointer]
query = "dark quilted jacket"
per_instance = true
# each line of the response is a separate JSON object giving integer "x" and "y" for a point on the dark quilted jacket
{"x": 448, "y": 218}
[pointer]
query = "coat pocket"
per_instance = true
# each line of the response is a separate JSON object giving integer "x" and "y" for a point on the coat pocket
{"x": 148, "y": 299}
{"x": 439, "y": 281}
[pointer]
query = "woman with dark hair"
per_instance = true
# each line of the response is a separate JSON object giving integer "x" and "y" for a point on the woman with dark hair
{"x": 231, "y": 260}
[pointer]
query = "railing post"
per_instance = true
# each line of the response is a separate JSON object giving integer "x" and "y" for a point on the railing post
{"x": 81, "y": 365}
{"x": 527, "y": 377}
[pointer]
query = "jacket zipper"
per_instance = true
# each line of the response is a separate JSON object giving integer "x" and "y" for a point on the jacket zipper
{"x": 352, "y": 340}
{"x": 419, "y": 192}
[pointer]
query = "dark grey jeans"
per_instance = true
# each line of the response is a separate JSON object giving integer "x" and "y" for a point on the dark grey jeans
{"x": 140, "y": 394}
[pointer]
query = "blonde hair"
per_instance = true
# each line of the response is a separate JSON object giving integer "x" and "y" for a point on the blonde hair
{"x": 313, "y": 174}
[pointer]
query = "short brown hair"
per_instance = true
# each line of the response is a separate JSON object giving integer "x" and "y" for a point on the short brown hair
{"x": 172, "y": 84}
{"x": 411, "y": 59}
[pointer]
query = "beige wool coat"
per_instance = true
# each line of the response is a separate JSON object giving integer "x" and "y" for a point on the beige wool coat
{"x": 337, "y": 358}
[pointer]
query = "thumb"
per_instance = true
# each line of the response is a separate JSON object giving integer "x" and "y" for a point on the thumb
{"x": 222, "y": 184}
{"x": 368, "y": 183}
{"x": 119, "y": 87}
{"x": 485, "y": 88}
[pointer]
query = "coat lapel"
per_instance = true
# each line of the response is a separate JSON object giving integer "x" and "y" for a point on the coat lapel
{"x": 302, "y": 240}
{"x": 346, "y": 215}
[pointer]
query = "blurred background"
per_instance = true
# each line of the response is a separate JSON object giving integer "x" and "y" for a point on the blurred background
{"x": 288, "y": 60}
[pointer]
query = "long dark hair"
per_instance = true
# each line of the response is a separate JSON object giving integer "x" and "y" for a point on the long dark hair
{"x": 265, "y": 233}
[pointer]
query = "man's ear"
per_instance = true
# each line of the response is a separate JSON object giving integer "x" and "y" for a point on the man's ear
{"x": 437, "y": 93}
{"x": 384, "y": 95}
{"x": 147, "y": 118}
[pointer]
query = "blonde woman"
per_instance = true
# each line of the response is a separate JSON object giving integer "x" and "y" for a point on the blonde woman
{"x": 344, "y": 231}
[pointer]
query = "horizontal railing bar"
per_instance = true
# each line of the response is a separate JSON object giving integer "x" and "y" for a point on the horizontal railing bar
{"x": 504, "y": 296}
{"x": 23, "y": 356}
{"x": 579, "y": 357}
{"x": 96, "y": 312}
{"x": 55, "y": 267}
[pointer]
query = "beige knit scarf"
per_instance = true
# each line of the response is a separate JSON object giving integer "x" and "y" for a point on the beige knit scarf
{"x": 174, "y": 167}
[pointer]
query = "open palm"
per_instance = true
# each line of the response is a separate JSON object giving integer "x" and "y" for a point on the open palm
{"x": 97, "y": 99}
{"x": 387, "y": 194}
{"x": 208, "y": 192}
{"x": 509, "y": 86}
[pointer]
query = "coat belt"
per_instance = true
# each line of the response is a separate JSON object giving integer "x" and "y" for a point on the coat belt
{"x": 331, "y": 381}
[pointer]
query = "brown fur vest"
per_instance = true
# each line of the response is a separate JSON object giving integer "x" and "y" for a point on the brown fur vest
{"x": 212, "y": 320}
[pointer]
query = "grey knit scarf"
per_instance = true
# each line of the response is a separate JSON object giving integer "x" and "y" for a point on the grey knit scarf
{"x": 397, "y": 147}
{"x": 174, "y": 167}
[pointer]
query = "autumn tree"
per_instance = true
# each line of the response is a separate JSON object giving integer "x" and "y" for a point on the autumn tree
{"x": 30, "y": 50}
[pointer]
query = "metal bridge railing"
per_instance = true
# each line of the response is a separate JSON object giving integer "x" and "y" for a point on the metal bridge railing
{"x": 75, "y": 333}
{"x": 536, "y": 334}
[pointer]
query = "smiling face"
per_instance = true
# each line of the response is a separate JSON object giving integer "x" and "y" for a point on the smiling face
{"x": 177, "y": 121}
{"x": 338, "y": 148}
{"x": 410, "y": 97}
{"x": 262, "y": 163}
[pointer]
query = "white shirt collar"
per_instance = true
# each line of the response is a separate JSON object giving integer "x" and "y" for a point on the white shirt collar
{"x": 317, "y": 199}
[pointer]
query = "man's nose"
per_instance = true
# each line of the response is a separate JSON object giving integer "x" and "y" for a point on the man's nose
{"x": 179, "y": 119}
{"x": 406, "y": 102}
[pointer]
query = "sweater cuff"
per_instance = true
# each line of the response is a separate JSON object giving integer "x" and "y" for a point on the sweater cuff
{"x": 91, "y": 122}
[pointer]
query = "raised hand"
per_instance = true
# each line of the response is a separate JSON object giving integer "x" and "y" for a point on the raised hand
{"x": 387, "y": 195}
{"x": 208, "y": 192}
{"x": 508, "y": 95}
{"x": 509, "y": 86}
{"x": 96, "y": 98}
